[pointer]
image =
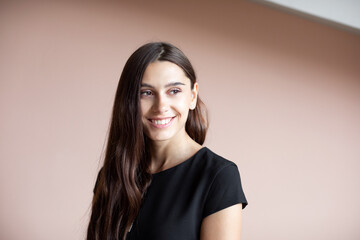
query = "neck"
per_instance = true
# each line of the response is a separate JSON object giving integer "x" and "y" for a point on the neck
{"x": 166, "y": 154}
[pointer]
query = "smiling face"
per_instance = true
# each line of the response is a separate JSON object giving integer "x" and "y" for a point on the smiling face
{"x": 166, "y": 98}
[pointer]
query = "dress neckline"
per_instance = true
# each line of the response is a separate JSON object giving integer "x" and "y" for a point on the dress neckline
{"x": 180, "y": 164}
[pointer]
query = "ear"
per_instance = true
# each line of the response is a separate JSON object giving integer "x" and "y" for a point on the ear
{"x": 194, "y": 94}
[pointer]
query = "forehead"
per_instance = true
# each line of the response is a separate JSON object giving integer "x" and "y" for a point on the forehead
{"x": 162, "y": 72}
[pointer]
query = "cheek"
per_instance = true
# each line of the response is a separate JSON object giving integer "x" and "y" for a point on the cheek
{"x": 144, "y": 106}
{"x": 187, "y": 101}
{"x": 183, "y": 105}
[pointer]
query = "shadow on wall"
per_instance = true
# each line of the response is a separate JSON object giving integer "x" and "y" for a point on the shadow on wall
{"x": 254, "y": 26}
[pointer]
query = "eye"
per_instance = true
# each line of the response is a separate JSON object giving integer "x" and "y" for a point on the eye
{"x": 174, "y": 91}
{"x": 146, "y": 93}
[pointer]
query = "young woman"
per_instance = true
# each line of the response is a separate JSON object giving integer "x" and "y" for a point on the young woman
{"x": 158, "y": 181}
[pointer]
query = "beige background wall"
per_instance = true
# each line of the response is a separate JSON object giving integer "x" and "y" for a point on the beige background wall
{"x": 283, "y": 94}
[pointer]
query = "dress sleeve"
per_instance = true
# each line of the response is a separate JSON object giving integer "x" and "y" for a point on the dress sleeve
{"x": 225, "y": 191}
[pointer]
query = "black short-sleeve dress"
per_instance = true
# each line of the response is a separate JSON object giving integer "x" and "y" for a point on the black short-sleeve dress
{"x": 179, "y": 198}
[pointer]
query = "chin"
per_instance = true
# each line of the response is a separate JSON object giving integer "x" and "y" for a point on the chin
{"x": 159, "y": 138}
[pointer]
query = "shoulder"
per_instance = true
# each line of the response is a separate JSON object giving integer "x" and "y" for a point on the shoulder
{"x": 213, "y": 164}
{"x": 224, "y": 186}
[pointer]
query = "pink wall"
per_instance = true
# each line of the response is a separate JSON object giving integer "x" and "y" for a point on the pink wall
{"x": 283, "y": 94}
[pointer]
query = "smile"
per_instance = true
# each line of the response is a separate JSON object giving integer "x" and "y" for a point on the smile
{"x": 161, "y": 123}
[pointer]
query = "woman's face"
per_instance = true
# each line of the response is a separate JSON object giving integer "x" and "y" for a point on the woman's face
{"x": 166, "y": 98}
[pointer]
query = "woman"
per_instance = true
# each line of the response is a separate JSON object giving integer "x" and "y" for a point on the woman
{"x": 158, "y": 181}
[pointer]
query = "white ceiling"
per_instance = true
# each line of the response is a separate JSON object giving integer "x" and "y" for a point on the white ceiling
{"x": 339, "y": 13}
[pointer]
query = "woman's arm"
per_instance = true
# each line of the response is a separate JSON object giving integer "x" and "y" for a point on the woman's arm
{"x": 222, "y": 225}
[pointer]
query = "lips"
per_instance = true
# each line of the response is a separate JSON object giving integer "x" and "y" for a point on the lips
{"x": 161, "y": 122}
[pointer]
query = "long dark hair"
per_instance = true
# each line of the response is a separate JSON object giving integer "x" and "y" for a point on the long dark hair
{"x": 125, "y": 175}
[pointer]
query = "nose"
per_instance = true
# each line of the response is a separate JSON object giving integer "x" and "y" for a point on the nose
{"x": 161, "y": 104}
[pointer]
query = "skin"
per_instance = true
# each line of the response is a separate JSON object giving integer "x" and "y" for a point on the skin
{"x": 166, "y": 93}
{"x": 222, "y": 225}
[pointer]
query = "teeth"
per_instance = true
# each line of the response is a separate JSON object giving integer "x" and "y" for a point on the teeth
{"x": 161, "y": 122}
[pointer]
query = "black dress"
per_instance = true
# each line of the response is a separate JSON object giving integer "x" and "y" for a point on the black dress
{"x": 179, "y": 198}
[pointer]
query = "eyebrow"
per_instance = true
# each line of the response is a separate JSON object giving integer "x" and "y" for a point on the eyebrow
{"x": 167, "y": 85}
